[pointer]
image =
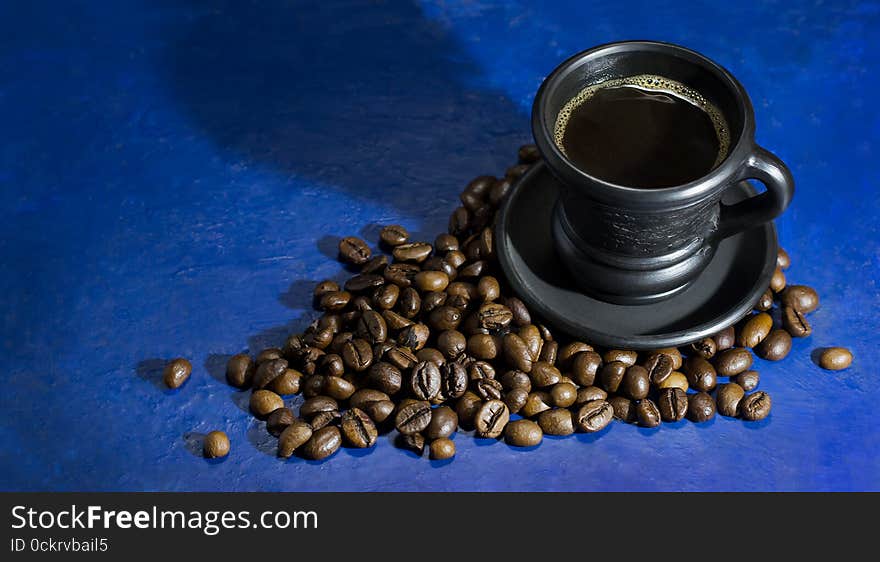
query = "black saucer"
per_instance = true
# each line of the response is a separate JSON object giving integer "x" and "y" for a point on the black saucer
{"x": 726, "y": 291}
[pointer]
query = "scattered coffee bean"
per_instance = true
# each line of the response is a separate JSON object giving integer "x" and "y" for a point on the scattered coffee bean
{"x": 782, "y": 259}
{"x": 765, "y": 303}
{"x": 584, "y": 367}
{"x": 626, "y": 357}
{"x": 516, "y": 352}
{"x": 354, "y": 250}
{"x": 358, "y": 429}
{"x": 264, "y": 402}
{"x": 775, "y": 346}
{"x": 278, "y": 421}
{"x": 673, "y": 404}
{"x": 676, "y": 379}
{"x": 755, "y": 407}
{"x": 701, "y": 375}
{"x": 338, "y": 388}
{"x": 294, "y": 436}
{"x": 216, "y": 445}
{"x": 777, "y": 282}
{"x": 548, "y": 352}
{"x": 563, "y": 394}
{"x": 413, "y": 442}
{"x": 636, "y": 383}
{"x": 544, "y": 375}
{"x": 624, "y": 408}
{"x": 394, "y": 235}
{"x": 795, "y": 323}
{"x": 532, "y": 338}
{"x": 568, "y": 352}
{"x": 324, "y": 287}
{"x": 412, "y": 252}
{"x": 732, "y": 362}
{"x": 556, "y": 422}
{"x": 835, "y": 358}
{"x": 268, "y": 372}
{"x": 701, "y": 407}
{"x": 748, "y": 380}
{"x": 240, "y": 370}
{"x": 482, "y": 346}
{"x": 491, "y": 418}
{"x": 728, "y": 398}
{"x": 316, "y": 405}
{"x": 323, "y": 443}
{"x": 612, "y": 375}
{"x": 289, "y": 382}
{"x": 442, "y": 449}
{"x": 755, "y": 330}
{"x": 523, "y": 433}
{"x": 521, "y": 316}
{"x": 589, "y": 393}
{"x": 488, "y": 389}
{"x": 594, "y": 416}
{"x": 724, "y": 339}
{"x": 647, "y": 413}
{"x": 444, "y": 423}
{"x": 176, "y": 372}
{"x": 413, "y": 417}
{"x": 357, "y": 355}
{"x": 801, "y": 298}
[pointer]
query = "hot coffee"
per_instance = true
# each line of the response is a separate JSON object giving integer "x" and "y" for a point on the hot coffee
{"x": 642, "y": 131}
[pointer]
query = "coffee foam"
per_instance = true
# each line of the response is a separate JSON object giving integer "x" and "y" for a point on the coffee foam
{"x": 655, "y": 83}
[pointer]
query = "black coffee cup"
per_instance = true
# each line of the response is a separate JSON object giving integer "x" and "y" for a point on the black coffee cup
{"x": 629, "y": 245}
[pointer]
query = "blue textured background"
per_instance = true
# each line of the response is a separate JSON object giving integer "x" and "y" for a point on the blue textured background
{"x": 174, "y": 175}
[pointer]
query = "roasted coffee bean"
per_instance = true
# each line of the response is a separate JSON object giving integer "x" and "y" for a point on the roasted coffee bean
{"x": 675, "y": 380}
{"x": 463, "y": 289}
{"x": 795, "y": 323}
{"x": 386, "y": 296}
{"x": 516, "y": 352}
{"x": 437, "y": 264}
{"x": 453, "y": 380}
{"x": 216, "y": 445}
{"x": 835, "y": 358}
{"x": 401, "y": 357}
{"x": 471, "y": 200}
{"x": 176, "y": 372}
{"x": 409, "y": 303}
{"x": 489, "y": 289}
{"x": 482, "y": 346}
{"x": 324, "y": 287}
{"x": 777, "y": 282}
{"x": 486, "y": 243}
{"x": 765, "y": 303}
{"x": 594, "y": 416}
{"x": 673, "y": 404}
{"x": 636, "y": 383}
{"x": 659, "y": 366}
{"x": 264, "y": 402}
{"x": 294, "y": 348}
{"x": 289, "y": 382}
{"x": 364, "y": 396}
{"x": 754, "y": 330}
{"x": 371, "y": 327}
{"x": 459, "y": 221}
{"x": 293, "y": 437}
{"x": 393, "y": 235}
{"x": 584, "y": 367}
{"x": 335, "y": 301}
{"x": 728, "y": 398}
{"x": 801, "y": 298}
{"x": 332, "y": 365}
{"x": 672, "y": 352}
{"x": 724, "y": 339}
{"x": 516, "y": 379}
{"x": 332, "y": 322}
{"x": 479, "y": 370}
{"x": 589, "y": 393}
{"x": 556, "y": 422}
{"x": 515, "y": 399}
{"x": 320, "y": 339}
{"x": 364, "y": 282}
{"x": 491, "y": 418}
{"x": 528, "y": 154}
{"x": 775, "y": 346}
{"x": 563, "y": 394}
{"x": 748, "y": 380}
{"x": 519, "y": 311}
{"x": 732, "y": 362}
{"x": 442, "y": 449}
{"x": 380, "y": 411}
{"x": 338, "y": 388}
{"x": 782, "y": 259}
{"x": 701, "y": 375}
{"x": 376, "y": 265}
{"x": 395, "y": 321}
{"x": 445, "y": 318}
{"x": 624, "y": 409}
{"x": 445, "y": 243}
{"x": 278, "y": 421}
{"x": 432, "y": 301}
{"x": 455, "y": 258}
{"x": 431, "y": 281}
{"x": 611, "y": 375}
{"x": 413, "y": 417}
{"x": 624, "y": 356}
{"x": 466, "y": 407}
{"x": 339, "y": 341}
{"x": 323, "y": 443}
{"x": 414, "y": 337}
{"x": 312, "y": 385}
{"x": 647, "y": 413}
{"x": 413, "y": 442}
{"x": 705, "y": 348}
{"x": 549, "y": 350}
{"x": 444, "y": 422}
{"x": 414, "y": 252}
{"x": 544, "y": 374}
{"x": 499, "y": 191}
{"x": 488, "y": 389}
{"x": 354, "y": 250}
{"x": 493, "y": 316}
{"x": 425, "y": 380}
{"x": 431, "y": 355}
{"x": 240, "y": 370}
{"x": 316, "y": 405}
{"x": 755, "y": 407}
{"x": 357, "y": 355}
{"x": 358, "y": 429}
{"x": 401, "y": 274}
{"x": 532, "y": 338}
{"x": 701, "y": 407}
{"x": 536, "y": 403}
{"x": 474, "y": 270}
{"x": 268, "y": 354}
{"x": 523, "y": 433}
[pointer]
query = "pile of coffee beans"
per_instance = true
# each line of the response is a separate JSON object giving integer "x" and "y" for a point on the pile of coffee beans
{"x": 425, "y": 339}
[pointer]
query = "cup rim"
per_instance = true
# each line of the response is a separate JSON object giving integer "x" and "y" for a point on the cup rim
{"x": 684, "y": 193}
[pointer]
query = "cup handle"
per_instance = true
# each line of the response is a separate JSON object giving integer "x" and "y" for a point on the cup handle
{"x": 765, "y": 167}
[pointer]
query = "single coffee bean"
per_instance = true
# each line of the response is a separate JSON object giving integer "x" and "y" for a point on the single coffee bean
{"x": 491, "y": 418}
{"x": 176, "y": 372}
{"x": 425, "y": 380}
{"x": 332, "y": 322}
{"x": 536, "y": 403}
{"x": 488, "y": 389}
{"x": 459, "y": 221}
{"x": 765, "y": 303}
{"x": 316, "y": 405}
{"x": 727, "y": 399}
{"x": 380, "y": 411}
{"x": 548, "y": 352}
{"x": 783, "y": 261}
{"x": 705, "y": 348}
{"x": 463, "y": 289}
{"x": 466, "y": 407}
{"x": 499, "y": 191}
{"x": 523, "y": 433}
{"x": 471, "y": 200}
{"x": 331, "y": 365}
{"x": 395, "y": 321}
{"x": 732, "y": 362}
{"x": 371, "y": 327}
{"x": 647, "y": 413}
{"x": 673, "y": 404}
{"x": 474, "y": 270}
{"x": 516, "y": 352}
{"x": 701, "y": 407}
{"x": 672, "y": 352}
{"x": 777, "y": 282}
{"x": 413, "y": 417}
{"x": 335, "y": 301}
{"x": 444, "y": 422}
{"x": 748, "y": 380}
{"x": 354, "y": 250}
{"x": 724, "y": 339}
{"x": 482, "y": 346}
{"x": 675, "y": 380}
{"x": 401, "y": 357}
{"x": 416, "y": 252}
{"x": 323, "y": 443}
{"x": 563, "y": 394}
{"x": 516, "y": 379}
{"x": 624, "y": 409}
{"x": 240, "y": 370}
{"x": 594, "y": 416}
{"x": 386, "y": 296}
{"x": 489, "y": 289}
{"x": 414, "y": 337}
{"x": 438, "y": 264}
{"x": 590, "y": 393}
{"x": 293, "y": 437}
{"x": 268, "y": 354}
{"x": 755, "y": 406}
{"x": 478, "y": 370}
{"x": 364, "y": 396}
{"x": 493, "y": 316}
{"x": 312, "y": 385}
{"x": 289, "y": 382}
{"x": 357, "y": 355}
{"x": 445, "y": 243}
{"x": 323, "y": 419}
{"x": 264, "y": 402}
{"x": 775, "y": 346}
{"x": 453, "y": 380}
{"x": 433, "y": 300}
{"x": 701, "y": 375}
{"x": 486, "y": 243}
{"x": 544, "y": 375}
{"x": 801, "y": 298}
{"x": 795, "y": 323}
{"x": 636, "y": 383}
{"x": 451, "y": 344}
{"x": 364, "y": 282}
{"x": 338, "y": 388}
{"x": 278, "y": 420}
{"x": 624, "y": 356}
{"x": 431, "y": 280}
{"x": 413, "y": 442}
{"x": 528, "y": 154}
{"x": 532, "y": 338}
{"x": 358, "y": 429}
{"x": 518, "y": 309}
{"x": 268, "y": 372}
{"x": 339, "y": 340}
{"x": 394, "y": 235}
{"x": 324, "y": 287}
{"x": 445, "y": 318}
{"x": 556, "y": 422}
{"x": 375, "y": 264}
{"x": 755, "y": 330}
{"x": 660, "y": 366}
{"x": 584, "y": 366}
{"x": 409, "y": 303}
{"x": 835, "y": 358}
{"x": 401, "y": 274}
{"x": 320, "y": 338}
{"x": 442, "y": 449}
{"x": 515, "y": 399}
{"x": 216, "y": 445}
{"x": 611, "y": 375}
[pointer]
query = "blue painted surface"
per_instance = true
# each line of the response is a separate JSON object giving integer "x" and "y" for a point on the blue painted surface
{"x": 174, "y": 174}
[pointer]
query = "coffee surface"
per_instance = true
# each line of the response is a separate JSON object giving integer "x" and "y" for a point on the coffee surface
{"x": 642, "y": 131}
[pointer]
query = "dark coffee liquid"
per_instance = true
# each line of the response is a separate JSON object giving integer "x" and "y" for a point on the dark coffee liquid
{"x": 643, "y": 131}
